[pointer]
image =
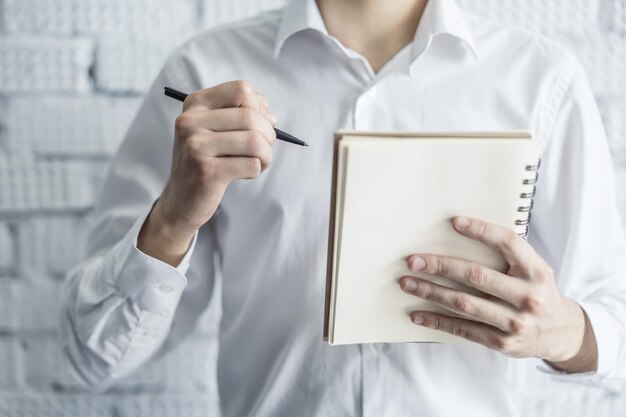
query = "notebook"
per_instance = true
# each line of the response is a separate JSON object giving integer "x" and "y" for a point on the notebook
{"x": 393, "y": 195}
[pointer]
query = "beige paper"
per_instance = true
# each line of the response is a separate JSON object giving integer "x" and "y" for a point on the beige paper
{"x": 395, "y": 197}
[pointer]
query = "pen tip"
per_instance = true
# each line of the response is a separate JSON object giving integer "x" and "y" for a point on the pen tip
{"x": 306, "y": 144}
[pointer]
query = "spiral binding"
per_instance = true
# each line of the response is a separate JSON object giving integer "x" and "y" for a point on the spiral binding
{"x": 528, "y": 195}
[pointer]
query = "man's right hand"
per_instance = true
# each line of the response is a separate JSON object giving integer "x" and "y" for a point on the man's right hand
{"x": 224, "y": 133}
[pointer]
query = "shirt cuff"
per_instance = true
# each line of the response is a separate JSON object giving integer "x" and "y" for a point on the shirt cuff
{"x": 154, "y": 284}
{"x": 604, "y": 329}
{"x": 183, "y": 265}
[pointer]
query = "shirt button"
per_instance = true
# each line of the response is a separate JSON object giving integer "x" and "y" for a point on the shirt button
{"x": 165, "y": 288}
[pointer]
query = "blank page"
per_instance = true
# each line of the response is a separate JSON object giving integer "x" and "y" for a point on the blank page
{"x": 396, "y": 197}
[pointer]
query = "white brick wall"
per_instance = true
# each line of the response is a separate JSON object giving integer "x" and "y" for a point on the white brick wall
{"x": 67, "y": 126}
{"x": 37, "y": 185}
{"x": 72, "y": 73}
{"x": 6, "y": 249}
{"x": 574, "y": 17}
{"x": 131, "y": 64}
{"x": 39, "y": 64}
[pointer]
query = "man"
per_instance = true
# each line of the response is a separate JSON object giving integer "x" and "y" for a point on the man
{"x": 164, "y": 234}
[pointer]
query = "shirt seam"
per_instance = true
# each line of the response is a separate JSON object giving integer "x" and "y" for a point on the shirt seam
{"x": 557, "y": 99}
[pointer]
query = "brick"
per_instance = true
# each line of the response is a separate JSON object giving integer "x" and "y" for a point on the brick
{"x": 130, "y": 64}
{"x": 39, "y": 305}
{"x": 604, "y": 59}
{"x": 29, "y": 185}
{"x": 68, "y": 126}
{"x": 215, "y": 12}
{"x": 575, "y": 17}
{"x": 94, "y": 16}
{"x": 45, "y": 368}
{"x": 189, "y": 369}
{"x": 29, "y": 64}
{"x": 9, "y": 302}
{"x": 29, "y": 305}
{"x": 34, "y": 404}
{"x": 11, "y": 364}
{"x": 48, "y": 16}
{"x": 7, "y": 257}
{"x": 51, "y": 245}
{"x": 167, "y": 406}
{"x": 140, "y": 16}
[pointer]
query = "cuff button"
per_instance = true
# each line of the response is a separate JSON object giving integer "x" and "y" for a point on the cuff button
{"x": 165, "y": 288}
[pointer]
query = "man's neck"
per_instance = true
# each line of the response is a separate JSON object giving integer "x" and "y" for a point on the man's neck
{"x": 377, "y": 29}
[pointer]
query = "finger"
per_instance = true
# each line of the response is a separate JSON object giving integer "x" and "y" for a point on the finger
{"x": 234, "y": 143}
{"x": 237, "y": 167}
{"x": 264, "y": 109}
{"x": 468, "y": 305}
{"x": 515, "y": 250}
{"x": 224, "y": 120}
{"x": 506, "y": 288}
{"x": 476, "y": 332}
{"x": 237, "y": 93}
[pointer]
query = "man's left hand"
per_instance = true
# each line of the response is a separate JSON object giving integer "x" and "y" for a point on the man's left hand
{"x": 521, "y": 314}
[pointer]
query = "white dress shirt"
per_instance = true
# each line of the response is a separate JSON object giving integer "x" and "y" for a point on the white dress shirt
{"x": 267, "y": 243}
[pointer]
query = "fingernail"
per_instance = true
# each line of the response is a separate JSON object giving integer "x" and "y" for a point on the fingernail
{"x": 273, "y": 118}
{"x": 409, "y": 285}
{"x": 418, "y": 263}
{"x": 461, "y": 223}
{"x": 418, "y": 319}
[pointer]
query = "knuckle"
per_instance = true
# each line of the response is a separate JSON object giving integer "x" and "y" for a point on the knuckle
{"x": 544, "y": 274}
{"x": 459, "y": 331}
{"x": 192, "y": 99}
{"x": 247, "y": 117}
{"x": 531, "y": 303}
{"x": 184, "y": 122}
{"x": 441, "y": 266}
{"x": 254, "y": 167}
{"x": 481, "y": 229}
{"x": 503, "y": 344}
{"x": 516, "y": 326}
{"x": 424, "y": 290}
{"x": 510, "y": 240}
{"x": 476, "y": 276}
{"x": 435, "y": 323}
{"x": 463, "y": 304}
{"x": 254, "y": 143}
{"x": 239, "y": 97}
{"x": 242, "y": 86}
{"x": 194, "y": 145}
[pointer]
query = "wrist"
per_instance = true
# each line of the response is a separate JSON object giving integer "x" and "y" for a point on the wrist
{"x": 162, "y": 239}
{"x": 582, "y": 353}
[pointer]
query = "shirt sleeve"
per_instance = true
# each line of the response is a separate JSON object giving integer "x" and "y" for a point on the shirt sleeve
{"x": 120, "y": 304}
{"x": 576, "y": 224}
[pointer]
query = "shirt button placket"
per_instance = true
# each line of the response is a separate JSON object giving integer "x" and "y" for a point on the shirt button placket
{"x": 363, "y": 114}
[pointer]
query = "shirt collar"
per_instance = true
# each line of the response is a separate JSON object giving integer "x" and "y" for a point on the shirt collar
{"x": 440, "y": 17}
{"x": 297, "y": 16}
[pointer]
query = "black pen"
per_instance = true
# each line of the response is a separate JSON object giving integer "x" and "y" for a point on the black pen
{"x": 280, "y": 135}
